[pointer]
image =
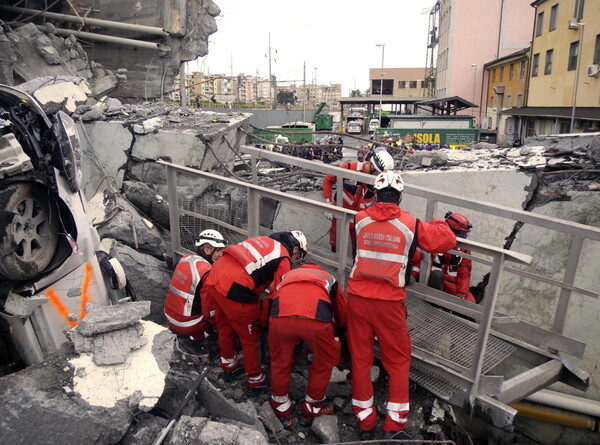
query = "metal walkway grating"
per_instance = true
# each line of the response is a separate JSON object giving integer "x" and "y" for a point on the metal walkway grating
{"x": 450, "y": 337}
{"x": 433, "y": 381}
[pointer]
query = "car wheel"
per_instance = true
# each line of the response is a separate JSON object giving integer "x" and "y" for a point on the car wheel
{"x": 31, "y": 235}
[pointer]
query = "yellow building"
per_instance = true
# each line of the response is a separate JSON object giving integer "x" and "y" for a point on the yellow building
{"x": 506, "y": 86}
{"x": 564, "y": 77}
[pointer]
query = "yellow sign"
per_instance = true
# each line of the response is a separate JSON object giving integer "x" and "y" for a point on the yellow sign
{"x": 427, "y": 138}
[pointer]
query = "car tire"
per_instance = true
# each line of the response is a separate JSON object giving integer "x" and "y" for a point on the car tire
{"x": 30, "y": 237}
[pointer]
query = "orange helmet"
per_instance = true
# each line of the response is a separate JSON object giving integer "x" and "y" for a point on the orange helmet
{"x": 458, "y": 223}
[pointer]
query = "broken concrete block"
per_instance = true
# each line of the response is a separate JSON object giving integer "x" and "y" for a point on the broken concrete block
{"x": 47, "y": 51}
{"x": 269, "y": 419}
{"x": 67, "y": 95}
{"x": 326, "y": 427}
{"x": 109, "y": 318}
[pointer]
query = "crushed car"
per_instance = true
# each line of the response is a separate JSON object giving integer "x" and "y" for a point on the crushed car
{"x": 51, "y": 263}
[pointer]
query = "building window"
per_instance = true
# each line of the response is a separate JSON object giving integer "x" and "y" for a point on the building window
{"x": 578, "y": 12}
{"x": 553, "y": 16}
{"x": 402, "y": 84}
{"x": 493, "y": 75}
{"x": 412, "y": 84}
{"x": 522, "y": 69}
{"x": 540, "y": 24}
{"x": 597, "y": 50}
{"x": 520, "y": 100}
{"x": 501, "y": 74}
{"x": 423, "y": 84}
{"x": 548, "y": 65}
{"x": 535, "y": 65}
{"x": 508, "y": 100}
{"x": 511, "y": 73}
{"x": 573, "y": 53}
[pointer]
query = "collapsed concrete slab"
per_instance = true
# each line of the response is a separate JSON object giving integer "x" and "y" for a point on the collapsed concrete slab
{"x": 38, "y": 405}
{"x": 140, "y": 379}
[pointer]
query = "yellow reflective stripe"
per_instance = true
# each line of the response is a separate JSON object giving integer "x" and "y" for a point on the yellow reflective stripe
{"x": 280, "y": 399}
{"x": 392, "y": 257}
{"x": 362, "y": 403}
{"x": 184, "y": 324}
{"x": 397, "y": 406}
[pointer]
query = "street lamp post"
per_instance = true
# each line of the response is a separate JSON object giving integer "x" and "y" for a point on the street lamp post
{"x": 382, "y": 45}
{"x": 579, "y": 26}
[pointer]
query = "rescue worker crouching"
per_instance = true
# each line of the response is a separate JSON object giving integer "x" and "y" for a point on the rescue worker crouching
{"x": 356, "y": 196}
{"x": 235, "y": 285}
{"x": 452, "y": 273}
{"x": 308, "y": 305}
{"x": 386, "y": 239}
{"x": 186, "y": 309}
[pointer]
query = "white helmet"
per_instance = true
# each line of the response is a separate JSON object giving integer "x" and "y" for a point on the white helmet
{"x": 382, "y": 160}
{"x": 301, "y": 241}
{"x": 389, "y": 178}
{"x": 211, "y": 237}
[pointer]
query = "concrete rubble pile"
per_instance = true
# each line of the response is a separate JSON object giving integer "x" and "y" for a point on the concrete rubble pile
{"x": 126, "y": 49}
{"x": 120, "y": 377}
{"x": 31, "y": 54}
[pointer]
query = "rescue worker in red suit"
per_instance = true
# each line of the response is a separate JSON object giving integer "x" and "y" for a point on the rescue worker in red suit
{"x": 386, "y": 239}
{"x": 235, "y": 285}
{"x": 308, "y": 305}
{"x": 452, "y": 273}
{"x": 184, "y": 303}
{"x": 356, "y": 196}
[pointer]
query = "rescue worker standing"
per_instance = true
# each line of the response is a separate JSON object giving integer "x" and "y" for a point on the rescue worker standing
{"x": 235, "y": 285}
{"x": 386, "y": 238}
{"x": 308, "y": 306}
{"x": 184, "y": 304}
{"x": 356, "y": 196}
{"x": 452, "y": 273}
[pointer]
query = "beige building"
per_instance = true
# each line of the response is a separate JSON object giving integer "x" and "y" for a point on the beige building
{"x": 564, "y": 77}
{"x": 398, "y": 82}
{"x": 506, "y": 87}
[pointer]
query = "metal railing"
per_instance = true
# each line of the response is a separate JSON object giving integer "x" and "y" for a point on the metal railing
{"x": 492, "y": 256}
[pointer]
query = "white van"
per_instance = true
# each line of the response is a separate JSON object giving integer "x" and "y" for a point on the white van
{"x": 373, "y": 125}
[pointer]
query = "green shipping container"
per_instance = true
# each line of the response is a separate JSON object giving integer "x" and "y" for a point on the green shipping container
{"x": 448, "y": 136}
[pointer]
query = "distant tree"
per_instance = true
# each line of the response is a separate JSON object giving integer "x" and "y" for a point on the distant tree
{"x": 285, "y": 97}
{"x": 355, "y": 93}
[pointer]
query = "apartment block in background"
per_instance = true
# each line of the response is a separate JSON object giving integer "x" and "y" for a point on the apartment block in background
{"x": 564, "y": 83}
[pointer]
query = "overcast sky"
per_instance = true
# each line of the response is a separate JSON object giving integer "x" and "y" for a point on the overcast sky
{"x": 336, "y": 37}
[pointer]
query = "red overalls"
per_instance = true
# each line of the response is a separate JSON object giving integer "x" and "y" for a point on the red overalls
{"x": 356, "y": 196}
{"x": 386, "y": 241}
{"x": 183, "y": 304}
{"x": 307, "y": 306}
{"x": 234, "y": 286}
{"x": 457, "y": 273}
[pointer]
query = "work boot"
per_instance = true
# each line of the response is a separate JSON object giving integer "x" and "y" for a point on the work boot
{"x": 257, "y": 384}
{"x": 232, "y": 370}
{"x": 367, "y": 435}
{"x": 193, "y": 348}
{"x": 312, "y": 410}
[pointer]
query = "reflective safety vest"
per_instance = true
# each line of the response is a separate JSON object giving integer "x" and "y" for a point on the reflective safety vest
{"x": 259, "y": 256}
{"x": 384, "y": 248}
{"x": 447, "y": 263}
{"x": 182, "y": 303}
{"x": 306, "y": 292}
{"x": 356, "y": 196}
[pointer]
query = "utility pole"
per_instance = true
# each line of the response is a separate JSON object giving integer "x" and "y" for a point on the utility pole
{"x": 182, "y": 86}
{"x": 304, "y": 91}
{"x": 270, "y": 77}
